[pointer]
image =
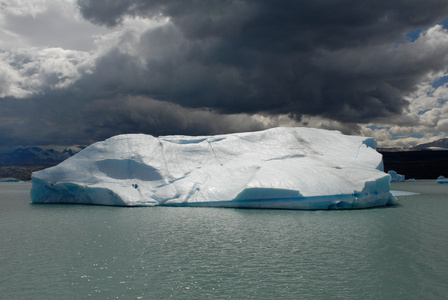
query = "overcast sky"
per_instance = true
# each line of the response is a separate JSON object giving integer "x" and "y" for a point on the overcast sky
{"x": 75, "y": 72}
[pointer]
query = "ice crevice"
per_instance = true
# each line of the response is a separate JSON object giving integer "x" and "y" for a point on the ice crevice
{"x": 213, "y": 151}
{"x": 286, "y": 157}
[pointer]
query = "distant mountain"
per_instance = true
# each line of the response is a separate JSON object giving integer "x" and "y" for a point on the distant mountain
{"x": 38, "y": 155}
{"x": 394, "y": 149}
{"x": 424, "y": 161}
{"x": 418, "y": 164}
{"x": 441, "y": 144}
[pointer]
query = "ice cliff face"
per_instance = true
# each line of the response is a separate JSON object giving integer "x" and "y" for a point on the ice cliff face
{"x": 291, "y": 168}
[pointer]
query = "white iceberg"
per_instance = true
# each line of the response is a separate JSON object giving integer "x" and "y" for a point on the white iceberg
{"x": 287, "y": 168}
{"x": 442, "y": 179}
{"x": 395, "y": 177}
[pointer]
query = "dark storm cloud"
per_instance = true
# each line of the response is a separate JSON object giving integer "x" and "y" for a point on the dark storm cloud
{"x": 214, "y": 63}
{"x": 335, "y": 59}
{"x": 59, "y": 119}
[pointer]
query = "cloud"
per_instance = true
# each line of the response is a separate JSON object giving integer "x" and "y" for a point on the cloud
{"x": 294, "y": 57}
{"x": 26, "y": 72}
{"x": 176, "y": 67}
{"x": 48, "y": 119}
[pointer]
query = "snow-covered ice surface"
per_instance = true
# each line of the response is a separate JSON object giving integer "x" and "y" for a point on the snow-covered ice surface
{"x": 288, "y": 168}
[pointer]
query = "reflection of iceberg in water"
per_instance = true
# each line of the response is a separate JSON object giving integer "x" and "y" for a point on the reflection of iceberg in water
{"x": 442, "y": 179}
{"x": 291, "y": 168}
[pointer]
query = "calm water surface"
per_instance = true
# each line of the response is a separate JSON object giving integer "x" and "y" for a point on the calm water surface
{"x": 96, "y": 252}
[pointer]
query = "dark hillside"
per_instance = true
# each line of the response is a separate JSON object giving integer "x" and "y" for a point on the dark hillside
{"x": 20, "y": 172}
{"x": 424, "y": 164}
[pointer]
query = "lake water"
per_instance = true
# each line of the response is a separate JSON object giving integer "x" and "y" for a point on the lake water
{"x": 96, "y": 252}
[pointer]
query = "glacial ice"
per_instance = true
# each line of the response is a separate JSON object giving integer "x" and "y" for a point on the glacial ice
{"x": 441, "y": 179}
{"x": 395, "y": 177}
{"x": 286, "y": 168}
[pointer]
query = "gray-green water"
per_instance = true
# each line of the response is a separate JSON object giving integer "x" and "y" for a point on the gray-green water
{"x": 96, "y": 252}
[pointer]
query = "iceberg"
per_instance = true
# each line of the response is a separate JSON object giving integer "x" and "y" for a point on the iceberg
{"x": 442, "y": 179}
{"x": 395, "y": 177}
{"x": 281, "y": 168}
